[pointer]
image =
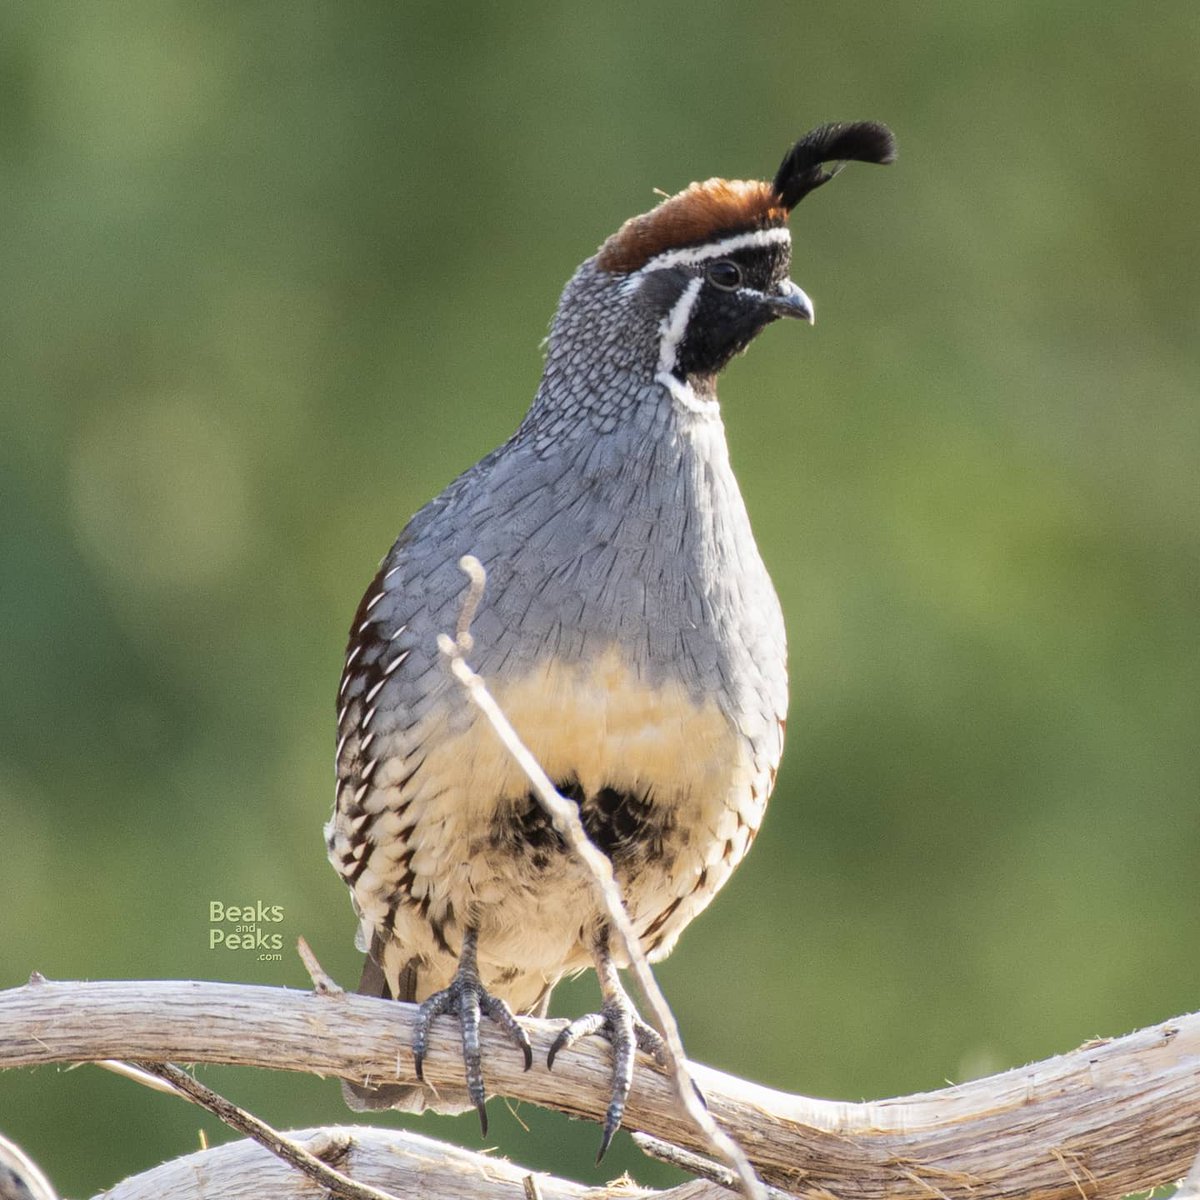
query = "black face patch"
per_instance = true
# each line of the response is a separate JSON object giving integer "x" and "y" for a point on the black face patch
{"x": 724, "y": 320}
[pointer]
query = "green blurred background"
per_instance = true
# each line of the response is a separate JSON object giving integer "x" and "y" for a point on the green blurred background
{"x": 272, "y": 273}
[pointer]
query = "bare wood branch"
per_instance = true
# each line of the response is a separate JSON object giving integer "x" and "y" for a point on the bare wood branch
{"x": 1109, "y": 1118}
{"x": 137, "y": 1075}
{"x": 393, "y": 1159}
{"x": 1189, "y": 1186}
{"x": 315, "y": 1166}
{"x": 567, "y": 822}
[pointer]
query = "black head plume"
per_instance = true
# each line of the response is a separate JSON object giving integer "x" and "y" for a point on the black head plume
{"x": 802, "y": 169}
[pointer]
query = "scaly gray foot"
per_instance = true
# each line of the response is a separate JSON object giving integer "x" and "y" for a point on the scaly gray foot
{"x": 619, "y": 1022}
{"x": 469, "y": 1000}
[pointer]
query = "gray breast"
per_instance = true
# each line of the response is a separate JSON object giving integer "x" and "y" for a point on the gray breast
{"x": 637, "y": 539}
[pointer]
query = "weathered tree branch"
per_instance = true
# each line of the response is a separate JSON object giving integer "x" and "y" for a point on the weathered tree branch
{"x": 314, "y": 1165}
{"x": 405, "y": 1163}
{"x": 1112, "y": 1117}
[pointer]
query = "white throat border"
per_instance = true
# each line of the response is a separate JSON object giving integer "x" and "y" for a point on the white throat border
{"x": 671, "y": 331}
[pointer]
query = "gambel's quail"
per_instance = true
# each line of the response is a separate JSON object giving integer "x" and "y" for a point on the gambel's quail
{"x": 628, "y": 629}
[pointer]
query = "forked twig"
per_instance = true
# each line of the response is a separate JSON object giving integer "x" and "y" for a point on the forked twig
{"x": 565, "y": 817}
{"x": 190, "y": 1088}
{"x": 323, "y": 983}
{"x": 694, "y": 1164}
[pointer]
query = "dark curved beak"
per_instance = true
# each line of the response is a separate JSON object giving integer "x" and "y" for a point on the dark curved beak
{"x": 790, "y": 301}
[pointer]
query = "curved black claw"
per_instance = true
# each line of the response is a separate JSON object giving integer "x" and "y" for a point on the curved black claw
{"x": 467, "y": 998}
{"x": 619, "y": 1022}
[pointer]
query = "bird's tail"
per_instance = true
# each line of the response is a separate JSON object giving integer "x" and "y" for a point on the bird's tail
{"x": 412, "y": 1098}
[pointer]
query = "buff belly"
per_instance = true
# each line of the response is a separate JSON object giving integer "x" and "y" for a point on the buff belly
{"x": 454, "y": 839}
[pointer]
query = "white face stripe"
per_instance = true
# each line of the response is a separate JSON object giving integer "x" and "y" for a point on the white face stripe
{"x": 690, "y": 255}
{"x": 671, "y": 330}
{"x": 674, "y": 325}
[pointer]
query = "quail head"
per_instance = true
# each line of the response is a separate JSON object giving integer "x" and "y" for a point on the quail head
{"x": 628, "y": 629}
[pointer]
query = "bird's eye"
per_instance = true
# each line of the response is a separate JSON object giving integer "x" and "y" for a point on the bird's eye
{"x": 725, "y": 274}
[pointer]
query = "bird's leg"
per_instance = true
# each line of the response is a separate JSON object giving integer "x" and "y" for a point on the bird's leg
{"x": 618, "y": 1021}
{"x": 467, "y": 997}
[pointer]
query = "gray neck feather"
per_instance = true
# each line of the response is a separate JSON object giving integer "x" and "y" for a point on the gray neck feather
{"x": 601, "y": 359}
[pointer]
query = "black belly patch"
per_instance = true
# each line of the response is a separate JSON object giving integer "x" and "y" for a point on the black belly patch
{"x": 626, "y": 826}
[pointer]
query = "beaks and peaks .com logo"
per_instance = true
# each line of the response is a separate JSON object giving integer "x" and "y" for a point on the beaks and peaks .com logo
{"x": 246, "y": 928}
